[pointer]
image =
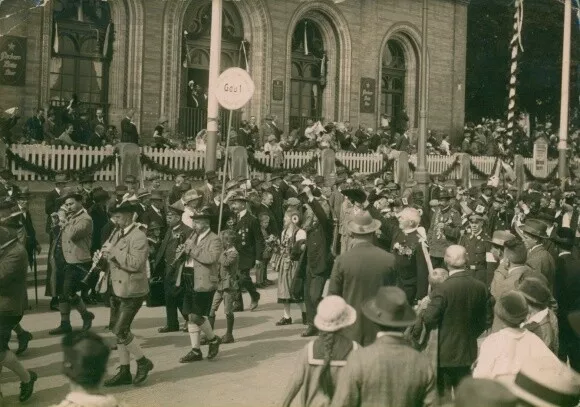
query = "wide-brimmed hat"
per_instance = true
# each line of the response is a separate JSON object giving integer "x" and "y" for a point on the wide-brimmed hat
{"x": 355, "y": 194}
{"x": 143, "y": 193}
{"x": 211, "y": 174}
{"x": 203, "y": 213}
{"x": 87, "y": 179}
{"x": 177, "y": 207}
{"x": 156, "y": 196}
{"x": 363, "y": 224}
{"x": 294, "y": 178}
{"x": 389, "y": 308}
{"x": 483, "y": 393}
{"x": 546, "y": 383}
{"x": 564, "y": 237}
{"x": 535, "y": 228}
{"x": 512, "y": 308}
{"x": 125, "y": 207}
{"x": 61, "y": 178}
{"x": 238, "y": 196}
{"x": 121, "y": 190}
{"x": 100, "y": 195}
{"x": 190, "y": 195}
{"x": 333, "y": 314}
{"x": 536, "y": 292}
{"x": 500, "y": 237}
{"x": 71, "y": 192}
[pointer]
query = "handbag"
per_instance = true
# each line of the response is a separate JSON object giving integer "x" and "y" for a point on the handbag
{"x": 156, "y": 296}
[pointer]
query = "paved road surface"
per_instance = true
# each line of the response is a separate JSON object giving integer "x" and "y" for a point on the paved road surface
{"x": 253, "y": 371}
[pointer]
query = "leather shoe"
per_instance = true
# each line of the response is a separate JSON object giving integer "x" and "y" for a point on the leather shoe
{"x": 88, "y": 321}
{"x": 23, "y": 340}
{"x": 166, "y": 329}
{"x": 194, "y": 355}
{"x": 63, "y": 329}
{"x": 122, "y": 378}
{"x": 284, "y": 321}
{"x": 228, "y": 338}
{"x": 26, "y": 389}
{"x": 310, "y": 331}
{"x": 144, "y": 366}
{"x": 214, "y": 347}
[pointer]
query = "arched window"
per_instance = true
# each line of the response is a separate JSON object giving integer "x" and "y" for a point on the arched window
{"x": 195, "y": 60}
{"x": 307, "y": 74}
{"x": 82, "y": 36}
{"x": 393, "y": 79}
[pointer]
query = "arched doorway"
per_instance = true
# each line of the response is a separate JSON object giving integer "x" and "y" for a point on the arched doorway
{"x": 307, "y": 75}
{"x": 195, "y": 61}
{"x": 393, "y": 80}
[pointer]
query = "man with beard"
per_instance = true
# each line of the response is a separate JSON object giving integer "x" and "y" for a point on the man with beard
{"x": 249, "y": 244}
{"x": 411, "y": 258}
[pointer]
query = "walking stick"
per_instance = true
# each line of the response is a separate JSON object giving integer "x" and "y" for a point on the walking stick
{"x": 35, "y": 271}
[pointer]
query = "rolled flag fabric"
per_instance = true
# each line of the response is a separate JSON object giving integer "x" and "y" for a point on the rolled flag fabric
{"x": 306, "y": 38}
{"x": 106, "y": 41}
{"x": 55, "y": 44}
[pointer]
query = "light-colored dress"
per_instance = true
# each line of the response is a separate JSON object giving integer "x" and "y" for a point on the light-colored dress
{"x": 285, "y": 266}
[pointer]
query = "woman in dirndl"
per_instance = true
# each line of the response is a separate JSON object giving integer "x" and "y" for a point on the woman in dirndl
{"x": 288, "y": 266}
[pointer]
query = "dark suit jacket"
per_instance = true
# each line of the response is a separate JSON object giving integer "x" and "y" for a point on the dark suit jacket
{"x": 277, "y": 207}
{"x": 459, "y": 308}
{"x": 129, "y": 132}
{"x": 100, "y": 219}
{"x": 567, "y": 284}
{"x": 165, "y": 256}
{"x": 249, "y": 241}
{"x": 150, "y": 215}
{"x": 31, "y": 241}
{"x": 356, "y": 281}
{"x": 50, "y": 207}
{"x": 318, "y": 241}
{"x": 272, "y": 228}
{"x": 214, "y": 209}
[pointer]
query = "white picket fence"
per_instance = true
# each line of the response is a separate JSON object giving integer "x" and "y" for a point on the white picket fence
{"x": 61, "y": 158}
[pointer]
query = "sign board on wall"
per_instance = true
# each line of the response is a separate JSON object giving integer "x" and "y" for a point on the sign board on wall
{"x": 541, "y": 157}
{"x": 367, "y": 95}
{"x": 278, "y": 90}
{"x": 12, "y": 60}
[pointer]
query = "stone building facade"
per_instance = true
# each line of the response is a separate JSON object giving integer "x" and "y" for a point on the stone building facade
{"x": 309, "y": 59}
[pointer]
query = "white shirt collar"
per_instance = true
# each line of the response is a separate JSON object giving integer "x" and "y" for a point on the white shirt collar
{"x": 128, "y": 229}
{"x": 452, "y": 272}
{"x": 562, "y": 253}
{"x": 536, "y": 246}
{"x": 57, "y": 190}
{"x": 537, "y": 317}
{"x": 408, "y": 231}
{"x": 242, "y": 213}
{"x": 393, "y": 334}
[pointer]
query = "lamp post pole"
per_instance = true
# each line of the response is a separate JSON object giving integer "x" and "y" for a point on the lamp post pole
{"x": 421, "y": 174}
{"x": 565, "y": 95}
{"x": 214, "y": 72}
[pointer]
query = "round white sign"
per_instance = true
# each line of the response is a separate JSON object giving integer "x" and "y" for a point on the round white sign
{"x": 234, "y": 88}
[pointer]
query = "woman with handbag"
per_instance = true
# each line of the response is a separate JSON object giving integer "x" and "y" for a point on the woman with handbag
{"x": 288, "y": 263}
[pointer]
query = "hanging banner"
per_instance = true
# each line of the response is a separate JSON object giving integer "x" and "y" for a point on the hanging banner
{"x": 12, "y": 60}
{"x": 367, "y": 95}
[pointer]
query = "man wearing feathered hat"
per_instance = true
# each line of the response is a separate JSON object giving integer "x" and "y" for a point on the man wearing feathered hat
{"x": 127, "y": 254}
{"x": 72, "y": 256}
{"x": 199, "y": 277}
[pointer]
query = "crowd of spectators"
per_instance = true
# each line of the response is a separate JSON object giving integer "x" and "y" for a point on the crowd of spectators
{"x": 73, "y": 126}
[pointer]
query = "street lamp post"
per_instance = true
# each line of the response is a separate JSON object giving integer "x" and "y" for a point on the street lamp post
{"x": 214, "y": 72}
{"x": 421, "y": 174}
{"x": 565, "y": 96}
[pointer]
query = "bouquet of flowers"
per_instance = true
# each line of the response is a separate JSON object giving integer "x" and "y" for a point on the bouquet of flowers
{"x": 402, "y": 250}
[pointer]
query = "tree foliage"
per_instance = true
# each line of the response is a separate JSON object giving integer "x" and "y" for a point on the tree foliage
{"x": 539, "y": 70}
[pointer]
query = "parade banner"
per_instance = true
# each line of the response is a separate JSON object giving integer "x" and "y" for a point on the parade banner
{"x": 12, "y": 60}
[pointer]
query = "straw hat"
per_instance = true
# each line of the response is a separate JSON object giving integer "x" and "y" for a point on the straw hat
{"x": 333, "y": 314}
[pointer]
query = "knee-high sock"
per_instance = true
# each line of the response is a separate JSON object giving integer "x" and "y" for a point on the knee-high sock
{"x": 207, "y": 330}
{"x": 124, "y": 355}
{"x": 64, "y": 308}
{"x": 287, "y": 311}
{"x": 193, "y": 330}
{"x": 135, "y": 349}
{"x": 81, "y": 307}
{"x": 11, "y": 362}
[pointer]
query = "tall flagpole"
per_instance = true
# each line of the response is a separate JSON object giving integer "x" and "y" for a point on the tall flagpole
{"x": 214, "y": 72}
{"x": 421, "y": 175}
{"x": 565, "y": 96}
